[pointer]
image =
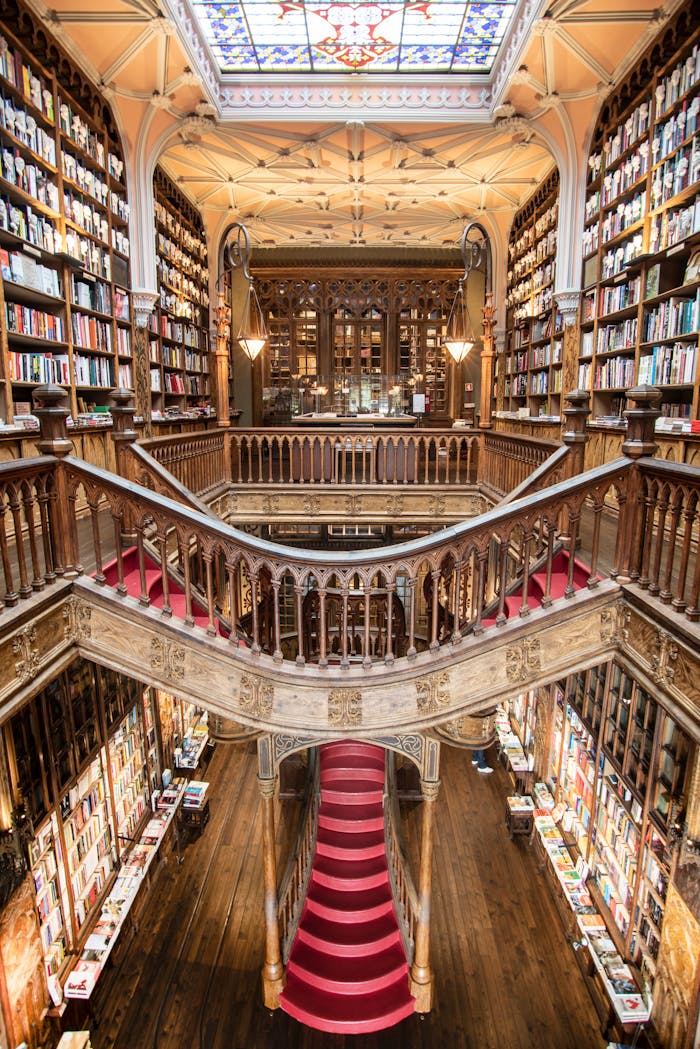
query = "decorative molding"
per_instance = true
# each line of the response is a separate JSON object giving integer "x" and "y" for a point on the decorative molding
{"x": 433, "y": 693}
{"x": 143, "y": 303}
{"x": 412, "y": 745}
{"x": 523, "y": 661}
{"x": 568, "y": 303}
{"x": 436, "y": 505}
{"x": 394, "y": 505}
{"x": 403, "y": 98}
{"x": 429, "y": 789}
{"x": 167, "y": 659}
{"x": 24, "y": 646}
{"x": 284, "y": 744}
{"x": 271, "y": 505}
{"x": 345, "y": 706}
{"x": 312, "y": 505}
{"x": 664, "y": 658}
{"x": 256, "y": 696}
{"x": 77, "y": 615}
{"x": 353, "y": 505}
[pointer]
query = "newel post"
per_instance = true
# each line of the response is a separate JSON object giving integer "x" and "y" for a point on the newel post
{"x": 574, "y": 434}
{"x": 123, "y": 433}
{"x": 273, "y": 969}
{"x": 421, "y": 976}
{"x": 641, "y": 416}
{"x": 52, "y": 413}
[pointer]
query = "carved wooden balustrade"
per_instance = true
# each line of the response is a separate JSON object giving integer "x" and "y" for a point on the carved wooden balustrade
{"x": 655, "y": 535}
{"x": 205, "y": 462}
{"x": 473, "y": 567}
{"x": 359, "y": 455}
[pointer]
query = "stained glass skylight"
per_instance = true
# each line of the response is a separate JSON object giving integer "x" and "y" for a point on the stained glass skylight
{"x": 393, "y": 36}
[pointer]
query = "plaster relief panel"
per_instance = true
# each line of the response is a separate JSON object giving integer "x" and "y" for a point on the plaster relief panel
{"x": 256, "y": 696}
{"x": 523, "y": 661}
{"x": 433, "y": 693}
{"x": 167, "y": 659}
{"x": 77, "y": 615}
{"x": 344, "y": 707}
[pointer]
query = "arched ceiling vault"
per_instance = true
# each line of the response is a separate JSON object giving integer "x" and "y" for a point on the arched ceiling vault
{"x": 356, "y": 159}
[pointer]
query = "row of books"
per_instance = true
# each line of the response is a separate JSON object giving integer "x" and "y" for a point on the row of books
{"x": 21, "y": 268}
{"x": 90, "y": 333}
{"x": 674, "y": 225}
{"x": 23, "y": 222}
{"x": 22, "y": 77}
{"x": 25, "y": 320}
{"x": 669, "y": 365}
{"x": 675, "y": 316}
{"x": 617, "y": 336}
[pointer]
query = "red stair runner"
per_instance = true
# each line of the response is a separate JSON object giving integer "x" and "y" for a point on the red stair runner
{"x": 347, "y": 972}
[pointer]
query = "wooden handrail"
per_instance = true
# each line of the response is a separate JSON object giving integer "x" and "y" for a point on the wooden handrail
{"x": 403, "y": 887}
{"x": 474, "y": 562}
{"x": 295, "y": 880}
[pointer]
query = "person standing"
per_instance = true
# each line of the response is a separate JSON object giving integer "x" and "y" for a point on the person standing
{"x": 479, "y": 759}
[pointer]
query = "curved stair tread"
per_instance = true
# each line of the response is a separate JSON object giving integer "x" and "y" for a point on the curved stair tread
{"x": 349, "y": 938}
{"x": 349, "y": 873}
{"x": 338, "y": 843}
{"x": 353, "y": 792}
{"x": 354, "y": 905}
{"x": 347, "y": 1014}
{"x": 342, "y": 974}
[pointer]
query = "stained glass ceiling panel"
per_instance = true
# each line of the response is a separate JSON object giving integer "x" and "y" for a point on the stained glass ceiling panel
{"x": 394, "y": 36}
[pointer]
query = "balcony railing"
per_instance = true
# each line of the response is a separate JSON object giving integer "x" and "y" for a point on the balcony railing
{"x": 357, "y": 607}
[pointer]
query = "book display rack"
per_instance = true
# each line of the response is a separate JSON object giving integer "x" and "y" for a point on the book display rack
{"x": 89, "y": 728}
{"x": 532, "y": 367}
{"x": 117, "y": 907}
{"x": 641, "y": 270}
{"x": 627, "y": 1006}
{"x": 179, "y": 325}
{"x": 619, "y": 773}
{"x": 64, "y": 245}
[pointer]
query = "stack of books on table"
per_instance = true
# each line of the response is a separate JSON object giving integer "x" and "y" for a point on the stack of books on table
{"x": 195, "y": 793}
{"x": 520, "y": 804}
{"x": 543, "y": 796}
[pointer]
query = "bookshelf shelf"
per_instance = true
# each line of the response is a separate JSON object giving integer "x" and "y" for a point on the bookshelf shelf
{"x": 532, "y": 319}
{"x": 642, "y": 229}
{"x": 62, "y": 221}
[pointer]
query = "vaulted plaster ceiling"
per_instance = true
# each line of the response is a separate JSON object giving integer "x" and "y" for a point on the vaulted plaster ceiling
{"x": 355, "y": 158}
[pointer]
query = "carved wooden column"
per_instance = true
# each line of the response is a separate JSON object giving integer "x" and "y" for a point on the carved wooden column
{"x": 220, "y": 360}
{"x": 52, "y": 417}
{"x": 273, "y": 969}
{"x": 568, "y": 306}
{"x": 421, "y": 976}
{"x": 123, "y": 433}
{"x": 487, "y": 355}
{"x": 143, "y": 303}
{"x": 641, "y": 417}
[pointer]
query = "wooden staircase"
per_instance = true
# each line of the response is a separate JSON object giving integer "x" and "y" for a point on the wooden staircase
{"x": 347, "y": 971}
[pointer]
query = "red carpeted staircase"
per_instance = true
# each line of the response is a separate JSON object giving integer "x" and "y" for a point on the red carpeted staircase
{"x": 347, "y": 971}
{"x": 153, "y": 580}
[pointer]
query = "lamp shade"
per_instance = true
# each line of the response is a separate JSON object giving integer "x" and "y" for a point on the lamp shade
{"x": 252, "y": 333}
{"x": 459, "y": 337}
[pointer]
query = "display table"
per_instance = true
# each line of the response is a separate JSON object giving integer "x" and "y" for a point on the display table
{"x": 194, "y": 812}
{"x": 366, "y": 419}
{"x": 520, "y": 814}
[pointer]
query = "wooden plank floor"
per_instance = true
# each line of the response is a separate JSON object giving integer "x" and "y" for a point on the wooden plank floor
{"x": 505, "y": 977}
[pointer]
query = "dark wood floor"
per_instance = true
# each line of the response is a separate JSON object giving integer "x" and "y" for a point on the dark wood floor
{"x": 505, "y": 977}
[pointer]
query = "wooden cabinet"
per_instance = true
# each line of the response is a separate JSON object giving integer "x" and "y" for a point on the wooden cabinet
{"x": 64, "y": 241}
{"x": 367, "y": 341}
{"x": 641, "y": 269}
